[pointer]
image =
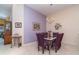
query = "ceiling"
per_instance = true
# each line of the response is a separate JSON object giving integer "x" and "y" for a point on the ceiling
{"x": 48, "y": 9}
{"x": 6, "y": 6}
{"x": 5, "y": 10}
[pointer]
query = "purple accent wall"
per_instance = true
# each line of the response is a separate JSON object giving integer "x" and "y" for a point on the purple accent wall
{"x": 31, "y": 16}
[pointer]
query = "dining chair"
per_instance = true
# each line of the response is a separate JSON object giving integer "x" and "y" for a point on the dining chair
{"x": 40, "y": 39}
{"x": 54, "y": 35}
{"x": 57, "y": 42}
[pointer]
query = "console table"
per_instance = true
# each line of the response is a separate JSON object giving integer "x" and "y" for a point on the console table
{"x": 16, "y": 39}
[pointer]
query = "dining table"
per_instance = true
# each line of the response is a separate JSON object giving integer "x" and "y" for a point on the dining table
{"x": 49, "y": 41}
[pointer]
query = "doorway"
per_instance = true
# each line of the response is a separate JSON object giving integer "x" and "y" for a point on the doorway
{"x": 1, "y": 33}
{"x": 5, "y": 24}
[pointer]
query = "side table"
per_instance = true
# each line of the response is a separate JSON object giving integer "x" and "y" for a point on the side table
{"x": 16, "y": 39}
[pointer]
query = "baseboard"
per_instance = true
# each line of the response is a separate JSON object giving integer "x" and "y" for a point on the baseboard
{"x": 31, "y": 43}
{"x": 70, "y": 45}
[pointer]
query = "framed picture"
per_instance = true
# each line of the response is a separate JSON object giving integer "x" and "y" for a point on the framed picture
{"x": 18, "y": 25}
{"x": 57, "y": 26}
{"x": 36, "y": 26}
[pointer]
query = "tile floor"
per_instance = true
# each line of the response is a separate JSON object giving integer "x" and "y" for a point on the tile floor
{"x": 31, "y": 49}
{"x": 1, "y": 41}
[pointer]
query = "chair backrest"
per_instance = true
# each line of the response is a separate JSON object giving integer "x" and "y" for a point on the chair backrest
{"x": 59, "y": 38}
{"x": 55, "y": 34}
{"x": 40, "y": 38}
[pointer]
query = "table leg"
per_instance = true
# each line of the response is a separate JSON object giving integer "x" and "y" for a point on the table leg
{"x": 14, "y": 41}
{"x": 19, "y": 43}
{"x": 43, "y": 50}
{"x": 49, "y": 49}
{"x": 50, "y": 46}
{"x": 11, "y": 44}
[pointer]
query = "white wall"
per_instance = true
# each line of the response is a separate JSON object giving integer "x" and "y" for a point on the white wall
{"x": 69, "y": 19}
{"x": 18, "y": 16}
